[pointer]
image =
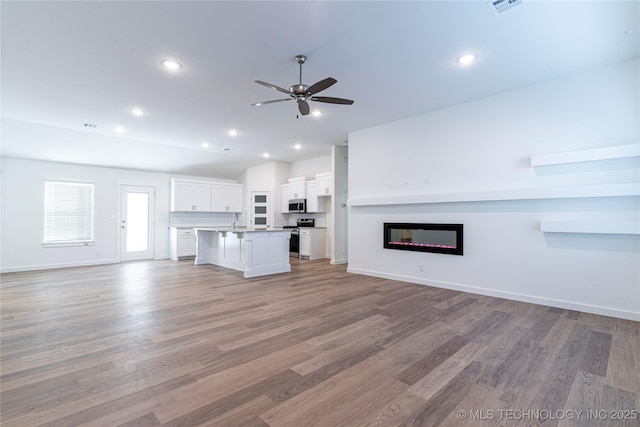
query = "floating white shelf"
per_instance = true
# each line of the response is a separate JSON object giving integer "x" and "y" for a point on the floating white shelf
{"x": 608, "y": 190}
{"x": 603, "y": 153}
{"x": 596, "y": 227}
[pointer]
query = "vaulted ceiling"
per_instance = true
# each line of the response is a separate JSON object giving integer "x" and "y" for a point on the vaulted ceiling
{"x": 72, "y": 71}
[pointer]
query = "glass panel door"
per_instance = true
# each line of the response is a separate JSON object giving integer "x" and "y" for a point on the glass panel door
{"x": 137, "y": 223}
{"x": 260, "y": 209}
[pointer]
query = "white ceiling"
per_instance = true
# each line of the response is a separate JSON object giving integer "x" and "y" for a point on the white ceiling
{"x": 65, "y": 64}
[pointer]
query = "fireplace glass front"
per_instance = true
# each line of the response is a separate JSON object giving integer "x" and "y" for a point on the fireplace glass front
{"x": 438, "y": 238}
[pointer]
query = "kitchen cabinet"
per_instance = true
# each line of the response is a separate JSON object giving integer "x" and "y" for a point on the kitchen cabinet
{"x": 314, "y": 204}
{"x": 182, "y": 243}
{"x": 284, "y": 198}
{"x": 312, "y": 243}
{"x": 323, "y": 184}
{"x": 190, "y": 196}
{"x": 199, "y": 196}
{"x": 297, "y": 188}
{"x": 226, "y": 197}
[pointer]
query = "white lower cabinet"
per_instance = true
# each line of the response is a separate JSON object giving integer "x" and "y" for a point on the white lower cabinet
{"x": 182, "y": 243}
{"x": 312, "y": 243}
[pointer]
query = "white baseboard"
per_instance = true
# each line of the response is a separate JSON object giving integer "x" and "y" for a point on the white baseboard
{"x": 54, "y": 266}
{"x": 339, "y": 261}
{"x": 604, "y": 311}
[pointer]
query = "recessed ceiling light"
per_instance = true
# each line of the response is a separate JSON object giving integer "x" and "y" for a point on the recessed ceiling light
{"x": 171, "y": 64}
{"x": 137, "y": 112}
{"x": 119, "y": 129}
{"x": 265, "y": 155}
{"x": 316, "y": 113}
{"x": 204, "y": 145}
{"x": 233, "y": 132}
{"x": 467, "y": 59}
{"x": 297, "y": 146}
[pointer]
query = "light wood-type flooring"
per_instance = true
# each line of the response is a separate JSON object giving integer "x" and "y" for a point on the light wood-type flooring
{"x": 165, "y": 343}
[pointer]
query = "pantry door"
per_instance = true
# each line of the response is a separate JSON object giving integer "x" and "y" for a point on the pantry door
{"x": 260, "y": 209}
{"x": 137, "y": 224}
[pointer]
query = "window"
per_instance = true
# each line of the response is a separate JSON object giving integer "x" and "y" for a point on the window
{"x": 68, "y": 212}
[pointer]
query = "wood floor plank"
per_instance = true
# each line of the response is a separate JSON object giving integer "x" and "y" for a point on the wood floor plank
{"x": 623, "y": 367}
{"x": 165, "y": 343}
{"x": 438, "y": 407}
{"x": 596, "y": 355}
{"x": 590, "y": 393}
{"x": 553, "y": 393}
{"x": 438, "y": 378}
{"x": 213, "y": 387}
{"x": 431, "y": 361}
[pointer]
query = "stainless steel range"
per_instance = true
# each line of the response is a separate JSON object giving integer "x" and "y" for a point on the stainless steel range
{"x": 294, "y": 242}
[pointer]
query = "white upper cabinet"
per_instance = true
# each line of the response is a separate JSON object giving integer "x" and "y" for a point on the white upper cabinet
{"x": 297, "y": 188}
{"x": 323, "y": 184}
{"x": 284, "y": 198}
{"x": 313, "y": 203}
{"x": 312, "y": 198}
{"x": 189, "y": 196}
{"x": 200, "y": 196}
{"x": 226, "y": 197}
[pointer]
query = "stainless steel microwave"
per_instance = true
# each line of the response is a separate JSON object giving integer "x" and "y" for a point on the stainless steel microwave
{"x": 298, "y": 205}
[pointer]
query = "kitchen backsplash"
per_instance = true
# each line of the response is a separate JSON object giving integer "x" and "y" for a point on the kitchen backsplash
{"x": 290, "y": 219}
{"x": 203, "y": 219}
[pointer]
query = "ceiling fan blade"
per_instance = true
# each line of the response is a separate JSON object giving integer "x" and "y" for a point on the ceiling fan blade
{"x": 271, "y": 102}
{"x": 278, "y": 88}
{"x": 321, "y": 85}
{"x": 303, "y": 106}
{"x": 331, "y": 100}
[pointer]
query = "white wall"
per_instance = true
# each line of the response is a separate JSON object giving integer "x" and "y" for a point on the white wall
{"x": 267, "y": 176}
{"x": 22, "y": 211}
{"x": 487, "y": 145}
{"x": 309, "y": 168}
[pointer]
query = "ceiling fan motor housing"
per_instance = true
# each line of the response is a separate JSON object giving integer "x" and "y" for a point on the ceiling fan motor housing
{"x": 299, "y": 89}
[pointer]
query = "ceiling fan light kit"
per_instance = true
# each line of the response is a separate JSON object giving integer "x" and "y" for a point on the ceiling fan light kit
{"x": 302, "y": 93}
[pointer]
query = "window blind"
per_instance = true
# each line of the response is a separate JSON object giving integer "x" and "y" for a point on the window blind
{"x": 68, "y": 212}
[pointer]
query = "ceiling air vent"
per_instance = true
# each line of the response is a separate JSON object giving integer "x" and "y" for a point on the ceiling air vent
{"x": 499, "y": 6}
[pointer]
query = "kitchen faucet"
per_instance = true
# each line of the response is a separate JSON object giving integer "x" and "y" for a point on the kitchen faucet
{"x": 235, "y": 217}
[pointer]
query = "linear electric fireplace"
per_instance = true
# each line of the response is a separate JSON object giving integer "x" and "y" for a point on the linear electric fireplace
{"x": 439, "y": 238}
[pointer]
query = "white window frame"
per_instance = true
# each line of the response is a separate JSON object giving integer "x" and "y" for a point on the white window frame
{"x": 62, "y": 198}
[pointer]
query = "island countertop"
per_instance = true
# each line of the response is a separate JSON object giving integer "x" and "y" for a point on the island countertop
{"x": 241, "y": 229}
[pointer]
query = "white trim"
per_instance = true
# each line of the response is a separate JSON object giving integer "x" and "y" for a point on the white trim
{"x": 597, "y": 227}
{"x": 589, "y": 155}
{"x": 56, "y": 266}
{"x": 606, "y": 190}
{"x": 338, "y": 261}
{"x": 604, "y": 311}
{"x": 67, "y": 244}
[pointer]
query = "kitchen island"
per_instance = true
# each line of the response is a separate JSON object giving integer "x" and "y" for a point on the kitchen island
{"x": 255, "y": 252}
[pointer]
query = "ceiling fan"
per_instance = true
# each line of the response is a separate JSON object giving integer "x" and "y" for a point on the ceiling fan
{"x": 302, "y": 93}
